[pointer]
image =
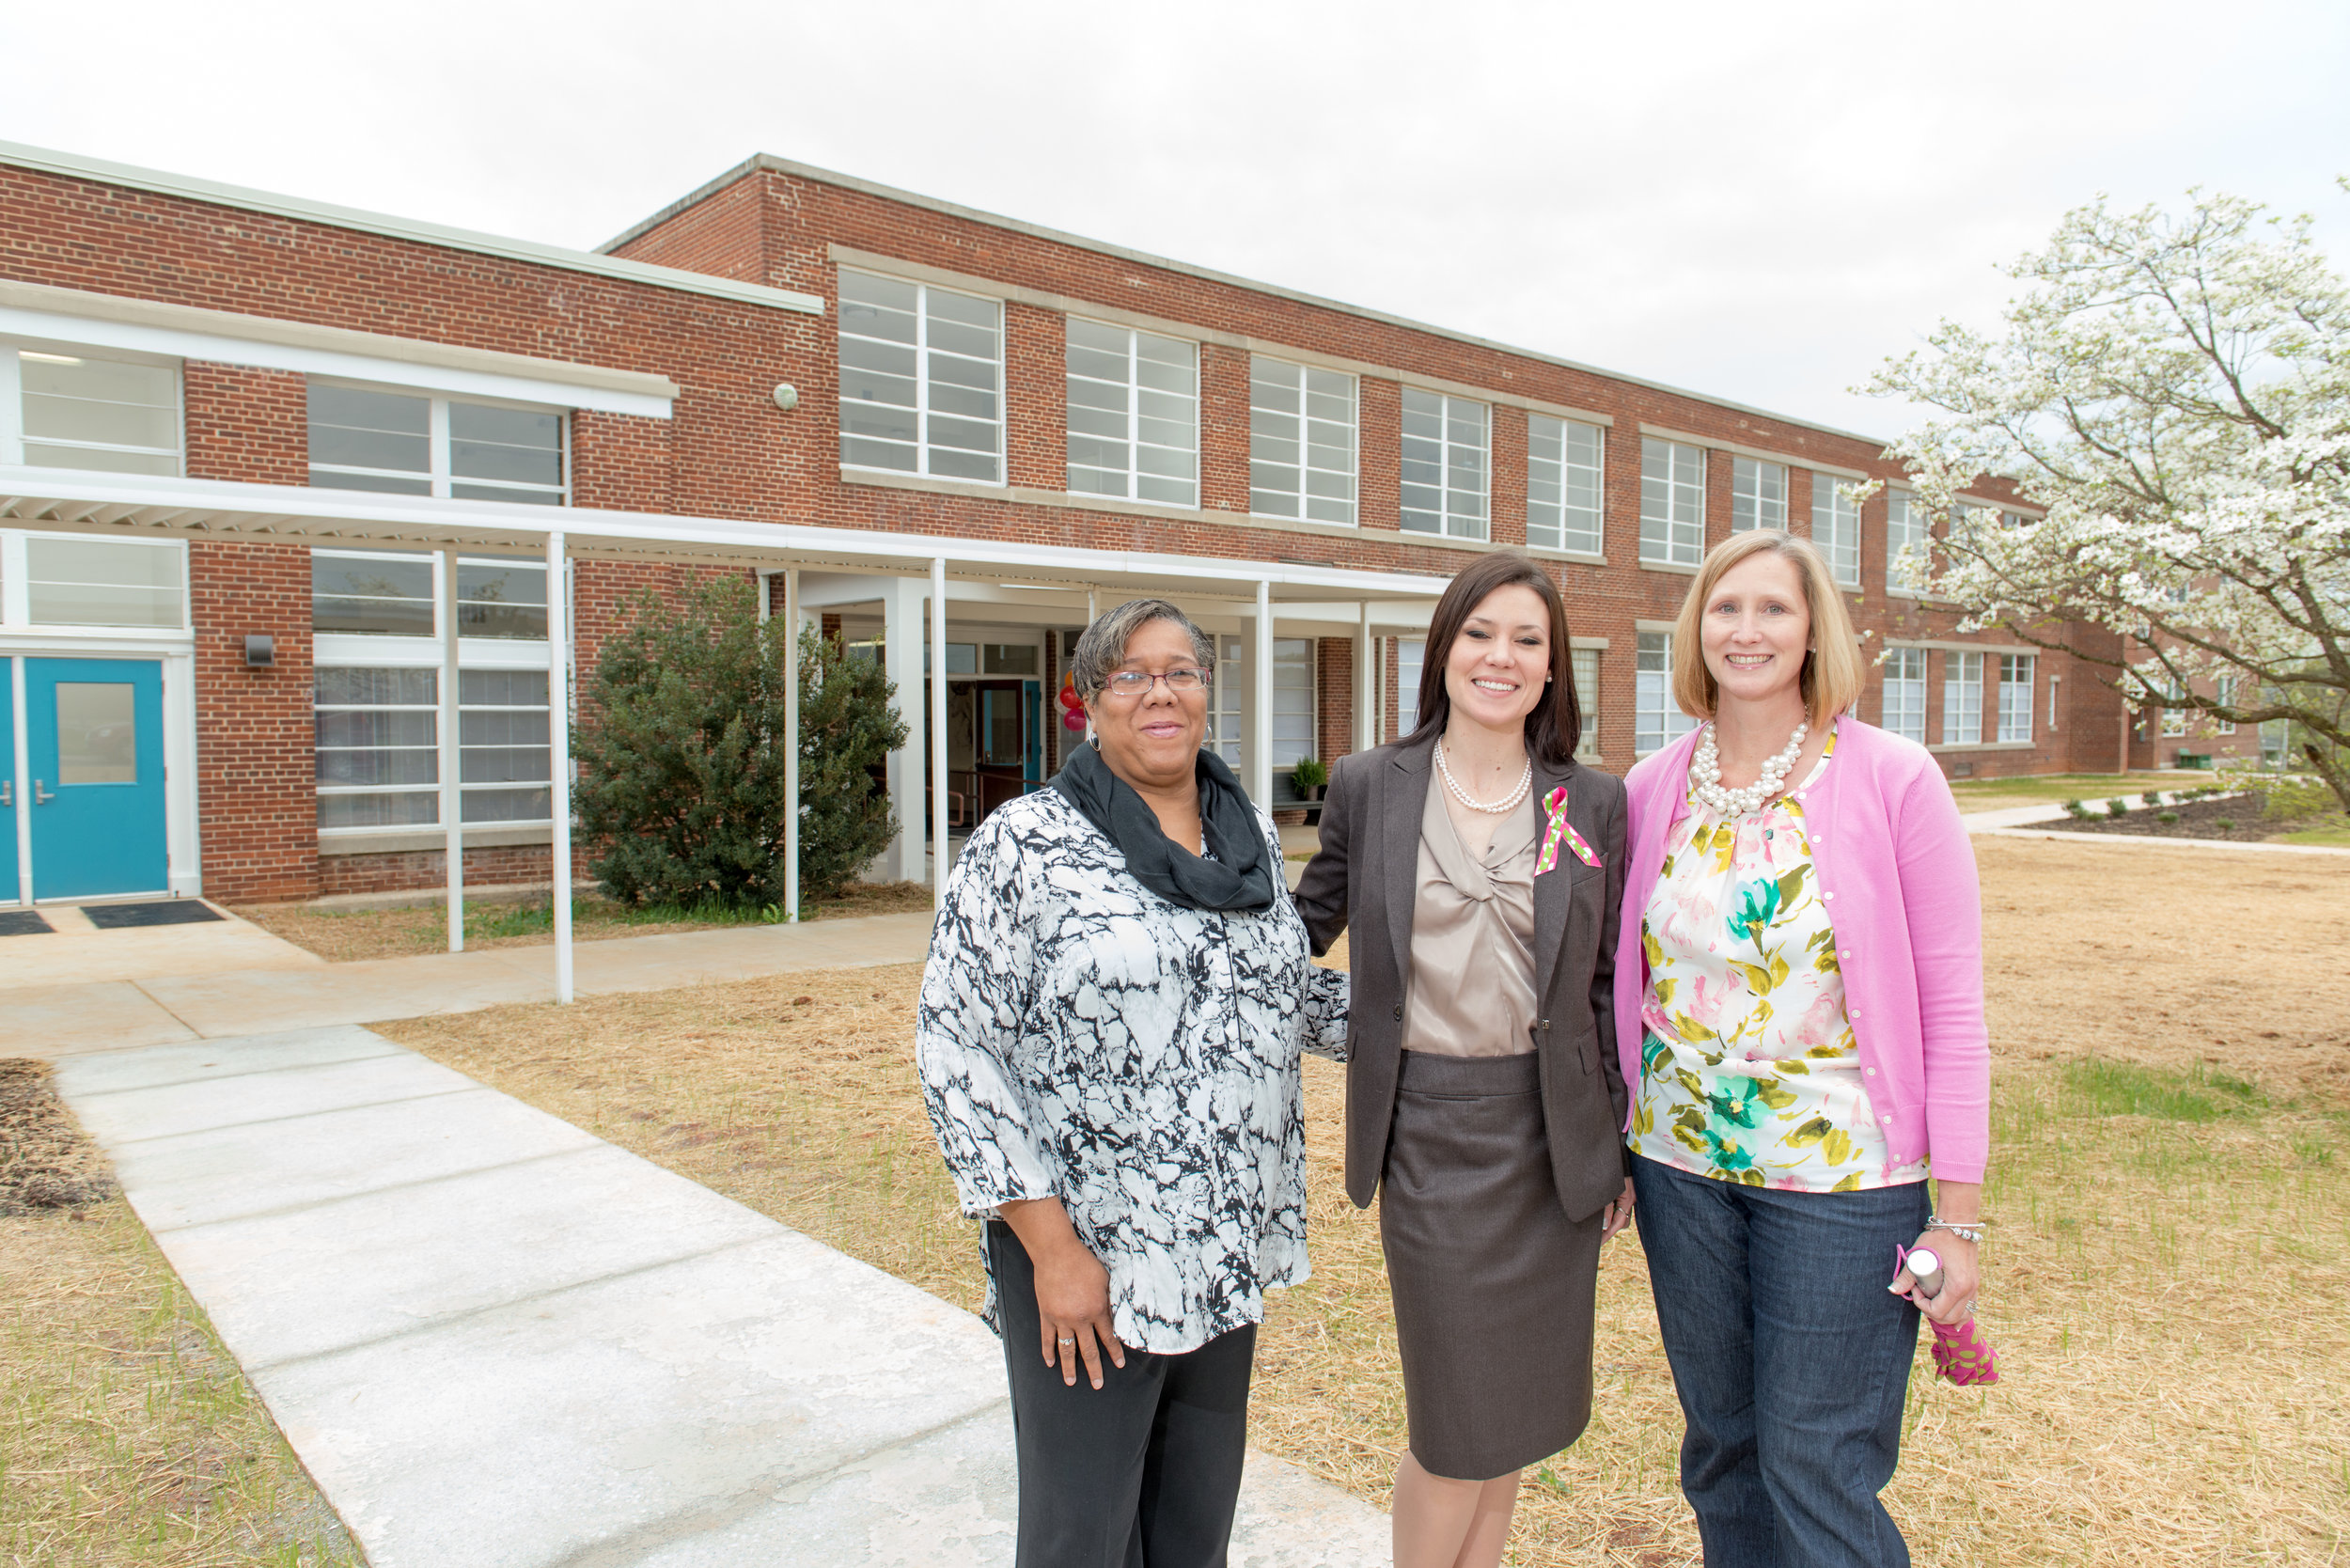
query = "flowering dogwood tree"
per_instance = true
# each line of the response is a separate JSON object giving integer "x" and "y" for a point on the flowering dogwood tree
{"x": 2174, "y": 390}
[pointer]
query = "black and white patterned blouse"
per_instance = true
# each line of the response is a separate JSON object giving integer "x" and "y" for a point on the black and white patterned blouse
{"x": 1081, "y": 1038}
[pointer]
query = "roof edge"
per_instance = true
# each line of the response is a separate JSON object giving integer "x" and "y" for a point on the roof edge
{"x": 130, "y": 177}
{"x": 770, "y": 163}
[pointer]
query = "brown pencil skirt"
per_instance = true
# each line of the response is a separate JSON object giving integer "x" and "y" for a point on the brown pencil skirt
{"x": 1492, "y": 1283}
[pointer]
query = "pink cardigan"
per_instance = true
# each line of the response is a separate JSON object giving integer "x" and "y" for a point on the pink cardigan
{"x": 1889, "y": 853}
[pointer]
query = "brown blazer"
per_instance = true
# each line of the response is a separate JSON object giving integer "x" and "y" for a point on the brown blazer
{"x": 1366, "y": 877}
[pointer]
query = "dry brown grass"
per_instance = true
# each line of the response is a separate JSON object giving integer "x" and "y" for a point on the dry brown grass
{"x": 347, "y": 935}
{"x": 128, "y": 1437}
{"x": 2164, "y": 1292}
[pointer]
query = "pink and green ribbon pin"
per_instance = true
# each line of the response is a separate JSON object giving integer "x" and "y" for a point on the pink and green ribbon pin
{"x": 1554, "y": 806}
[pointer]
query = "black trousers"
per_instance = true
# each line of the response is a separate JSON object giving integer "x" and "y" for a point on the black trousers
{"x": 1142, "y": 1472}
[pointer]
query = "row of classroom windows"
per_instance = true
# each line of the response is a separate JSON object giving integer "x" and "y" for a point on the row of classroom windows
{"x": 921, "y": 392}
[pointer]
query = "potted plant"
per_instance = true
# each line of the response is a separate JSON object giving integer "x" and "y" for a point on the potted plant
{"x": 1309, "y": 777}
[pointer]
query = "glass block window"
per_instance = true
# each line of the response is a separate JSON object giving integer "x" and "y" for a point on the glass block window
{"x": 377, "y": 737}
{"x": 1836, "y": 526}
{"x": 1562, "y": 485}
{"x": 392, "y": 594}
{"x": 1906, "y": 693}
{"x": 1583, "y": 665}
{"x": 921, "y": 379}
{"x": 1301, "y": 442}
{"x": 1758, "y": 494}
{"x": 73, "y": 581}
{"x": 2016, "y": 692}
{"x": 80, "y": 412}
{"x": 1445, "y": 465}
{"x": 1657, "y": 721}
{"x": 1134, "y": 415}
{"x": 1410, "y": 652}
{"x": 1962, "y": 699}
{"x": 1293, "y": 701}
{"x": 395, "y": 443}
{"x": 1905, "y": 532}
{"x": 1672, "y": 502}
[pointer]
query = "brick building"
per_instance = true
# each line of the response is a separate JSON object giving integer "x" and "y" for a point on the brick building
{"x": 271, "y": 469}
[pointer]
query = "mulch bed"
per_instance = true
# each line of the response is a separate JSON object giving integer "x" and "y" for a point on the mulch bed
{"x": 2198, "y": 819}
{"x": 45, "y": 1161}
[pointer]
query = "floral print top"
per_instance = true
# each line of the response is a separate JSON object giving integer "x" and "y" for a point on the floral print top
{"x": 1748, "y": 1069}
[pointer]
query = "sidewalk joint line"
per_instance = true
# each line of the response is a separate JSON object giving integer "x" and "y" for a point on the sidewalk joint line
{"x": 255, "y": 1073}
{"x": 140, "y": 986}
{"x": 299, "y": 1116}
{"x": 551, "y": 1292}
{"x": 590, "y": 1147}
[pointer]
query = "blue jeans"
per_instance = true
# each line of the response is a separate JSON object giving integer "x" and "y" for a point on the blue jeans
{"x": 1791, "y": 1360}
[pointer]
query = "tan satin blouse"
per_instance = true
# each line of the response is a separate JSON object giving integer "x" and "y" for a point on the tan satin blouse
{"x": 1472, "y": 989}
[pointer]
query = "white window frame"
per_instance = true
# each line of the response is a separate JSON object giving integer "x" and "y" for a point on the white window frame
{"x": 1228, "y": 702}
{"x": 1906, "y": 676}
{"x": 1657, "y": 720}
{"x": 438, "y": 475}
{"x": 1568, "y": 525}
{"x": 922, "y": 352}
{"x": 399, "y": 651}
{"x": 1583, "y": 669}
{"x": 12, "y": 437}
{"x": 1836, "y": 526}
{"x": 1289, "y": 750}
{"x": 1134, "y": 389}
{"x": 1904, "y": 526}
{"x": 2223, "y": 688}
{"x": 1962, "y": 695}
{"x": 1457, "y": 461}
{"x": 2173, "y": 726}
{"x": 1411, "y": 654}
{"x": 1672, "y": 503}
{"x": 16, "y": 596}
{"x": 1758, "y": 494}
{"x": 1303, "y": 425}
{"x": 2018, "y": 684}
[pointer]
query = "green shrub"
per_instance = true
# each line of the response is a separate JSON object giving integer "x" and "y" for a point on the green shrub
{"x": 2151, "y": 797}
{"x": 2225, "y": 825}
{"x": 2292, "y": 795}
{"x": 2166, "y": 817}
{"x": 2075, "y": 811}
{"x": 681, "y": 785}
{"x": 2117, "y": 807}
{"x": 1308, "y": 775}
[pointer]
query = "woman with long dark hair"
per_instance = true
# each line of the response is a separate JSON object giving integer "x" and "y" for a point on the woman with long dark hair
{"x": 1480, "y": 867}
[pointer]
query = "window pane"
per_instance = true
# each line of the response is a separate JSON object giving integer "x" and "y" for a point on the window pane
{"x": 103, "y": 582}
{"x": 69, "y": 400}
{"x": 512, "y": 444}
{"x": 96, "y": 732}
{"x": 354, "y": 428}
{"x": 921, "y": 379}
{"x": 501, "y": 600}
{"x": 1836, "y": 526}
{"x": 362, "y": 594}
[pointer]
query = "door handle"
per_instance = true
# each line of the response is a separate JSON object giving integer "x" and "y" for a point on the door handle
{"x": 8, "y": 792}
{"x": 40, "y": 795}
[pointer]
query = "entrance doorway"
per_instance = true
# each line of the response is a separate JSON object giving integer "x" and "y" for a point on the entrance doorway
{"x": 995, "y": 746}
{"x": 89, "y": 786}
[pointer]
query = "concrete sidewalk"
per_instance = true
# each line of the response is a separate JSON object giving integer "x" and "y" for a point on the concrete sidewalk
{"x": 497, "y": 1342}
{"x": 168, "y": 1006}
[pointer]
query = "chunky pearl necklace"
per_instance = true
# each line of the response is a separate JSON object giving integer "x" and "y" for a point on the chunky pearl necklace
{"x": 1508, "y": 803}
{"x": 1705, "y": 777}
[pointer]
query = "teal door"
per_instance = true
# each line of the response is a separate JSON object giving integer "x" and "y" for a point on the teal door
{"x": 95, "y": 734}
{"x": 10, "y": 888}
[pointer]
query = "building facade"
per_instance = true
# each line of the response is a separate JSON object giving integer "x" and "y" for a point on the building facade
{"x": 270, "y": 472}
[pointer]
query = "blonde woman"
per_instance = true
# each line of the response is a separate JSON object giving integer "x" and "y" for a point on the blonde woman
{"x": 1799, "y": 1012}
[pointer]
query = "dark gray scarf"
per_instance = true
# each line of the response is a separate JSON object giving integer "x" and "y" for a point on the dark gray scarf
{"x": 1235, "y": 875}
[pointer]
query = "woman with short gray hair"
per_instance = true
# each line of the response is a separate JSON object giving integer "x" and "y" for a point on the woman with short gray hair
{"x": 1116, "y": 996}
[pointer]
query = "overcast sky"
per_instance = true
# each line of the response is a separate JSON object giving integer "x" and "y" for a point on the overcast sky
{"x": 1759, "y": 202}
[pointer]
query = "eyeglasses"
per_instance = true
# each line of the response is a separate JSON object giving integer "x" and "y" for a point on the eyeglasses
{"x": 1134, "y": 683}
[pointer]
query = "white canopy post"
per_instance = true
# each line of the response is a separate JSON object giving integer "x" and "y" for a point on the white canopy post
{"x": 1261, "y": 722}
{"x": 452, "y": 799}
{"x": 792, "y": 743}
{"x": 559, "y": 757}
{"x": 1093, "y": 613}
{"x": 1366, "y": 727}
{"x": 938, "y": 732}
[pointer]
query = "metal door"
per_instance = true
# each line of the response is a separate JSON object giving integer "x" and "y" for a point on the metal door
{"x": 11, "y": 889}
{"x": 94, "y": 731}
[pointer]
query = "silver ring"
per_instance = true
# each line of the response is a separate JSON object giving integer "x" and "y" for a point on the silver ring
{"x": 1068, "y": 1341}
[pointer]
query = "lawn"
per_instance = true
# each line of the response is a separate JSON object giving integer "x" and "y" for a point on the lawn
{"x": 2172, "y": 1090}
{"x": 127, "y": 1436}
{"x": 344, "y": 935}
{"x": 2001, "y": 794}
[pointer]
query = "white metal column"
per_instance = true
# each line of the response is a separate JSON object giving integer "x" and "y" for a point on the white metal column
{"x": 1261, "y": 722}
{"x": 939, "y": 750}
{"x": 20, "y": 770}
{"x": 1365, "y": 728}
{"x": 790, "y": 743}
{"x": 559, "y": 758}
{"x": 903, "y": 661}
{"x": 453, "y": 800}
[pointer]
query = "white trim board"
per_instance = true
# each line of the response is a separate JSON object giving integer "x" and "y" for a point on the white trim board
{"x": 73, "y": 165}
{"x": 509, "y": 377}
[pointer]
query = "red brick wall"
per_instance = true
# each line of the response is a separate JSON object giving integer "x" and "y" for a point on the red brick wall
{"x": 246, "y": 424}
{"x": 493, "y": 866}
{"x": 255, "y": 802}
{"x": 1334, "y": 699}
{"x": 1036, "y": 397}
{"x": 1222, "y": 428}
{"x": 620, "y": 463}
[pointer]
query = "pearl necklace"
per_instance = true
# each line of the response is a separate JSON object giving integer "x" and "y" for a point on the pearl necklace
{"x": 1508, "y": 803}
{"x": 1705, "y": 777}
